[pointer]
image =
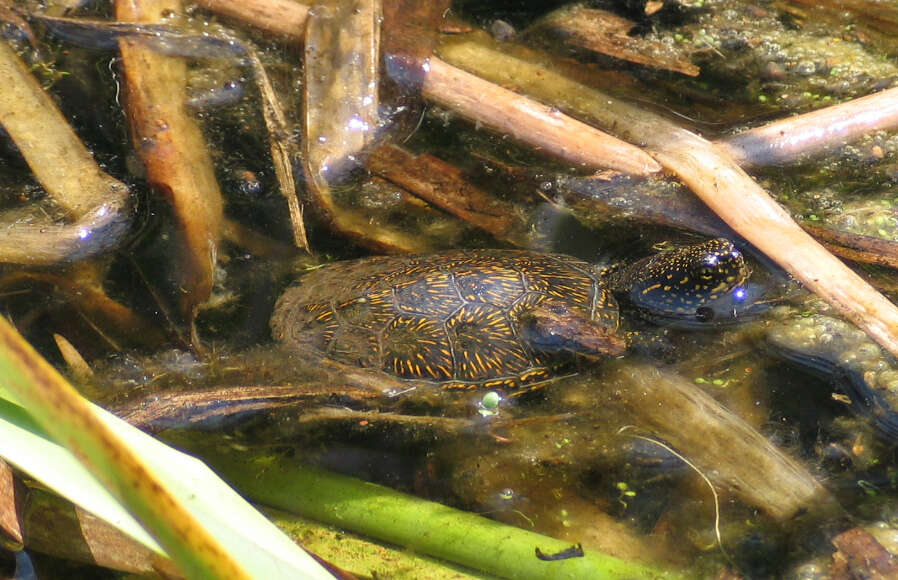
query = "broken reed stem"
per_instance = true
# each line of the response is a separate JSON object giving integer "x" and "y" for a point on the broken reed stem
{"x": 425, "y": 527}
{"x": 801, "y": 136}
{"x": 281, "y": 148}
{"x": 95, "y": 202}
{"x": 541, "y": 126}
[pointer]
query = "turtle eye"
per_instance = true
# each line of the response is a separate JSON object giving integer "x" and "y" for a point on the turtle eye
{"x": 708, "y": 266}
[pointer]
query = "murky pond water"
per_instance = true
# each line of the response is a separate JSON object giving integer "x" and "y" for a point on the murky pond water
{"x": 725, "y": 422}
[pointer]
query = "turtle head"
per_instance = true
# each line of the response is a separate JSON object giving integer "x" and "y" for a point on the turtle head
{"x": 680, "y": 283}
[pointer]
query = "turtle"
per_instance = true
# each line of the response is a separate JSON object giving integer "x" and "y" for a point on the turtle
{"x": 494, "y": 319}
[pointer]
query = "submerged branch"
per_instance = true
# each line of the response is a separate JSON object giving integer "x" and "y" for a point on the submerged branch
{"x": 443, "y": 186}
{"x": 96, "y": 204}
{"x": 721, "y": 444}
{"x": 282, "y": 17}
{"x": 178, "y": 409}
{"x": 856, "y": 247}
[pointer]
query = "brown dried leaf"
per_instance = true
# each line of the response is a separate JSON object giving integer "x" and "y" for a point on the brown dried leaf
{"x": 173, "y": 150}
{"x": 607, "y": 33}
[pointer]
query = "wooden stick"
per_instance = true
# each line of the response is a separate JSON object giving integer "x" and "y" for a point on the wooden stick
{"x": 541, "y": 126}
{"x": 190, "y": 408}
{"x": 282, "y": 149}
{"x": 801, "y": 136}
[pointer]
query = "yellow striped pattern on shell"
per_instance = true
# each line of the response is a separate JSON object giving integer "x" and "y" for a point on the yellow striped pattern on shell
{"x": 451, "y": 319}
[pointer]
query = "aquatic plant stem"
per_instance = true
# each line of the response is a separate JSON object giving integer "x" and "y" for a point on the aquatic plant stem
{"x": 426, "y": 527}
{"x": 96, "y": 203}
{"x": 69, "y": 419}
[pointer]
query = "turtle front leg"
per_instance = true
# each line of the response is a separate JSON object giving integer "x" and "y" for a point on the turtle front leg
{"x": 554, "y": 326}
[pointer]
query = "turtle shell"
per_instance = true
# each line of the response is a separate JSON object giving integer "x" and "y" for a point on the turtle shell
{"x": 454, "y": 319}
